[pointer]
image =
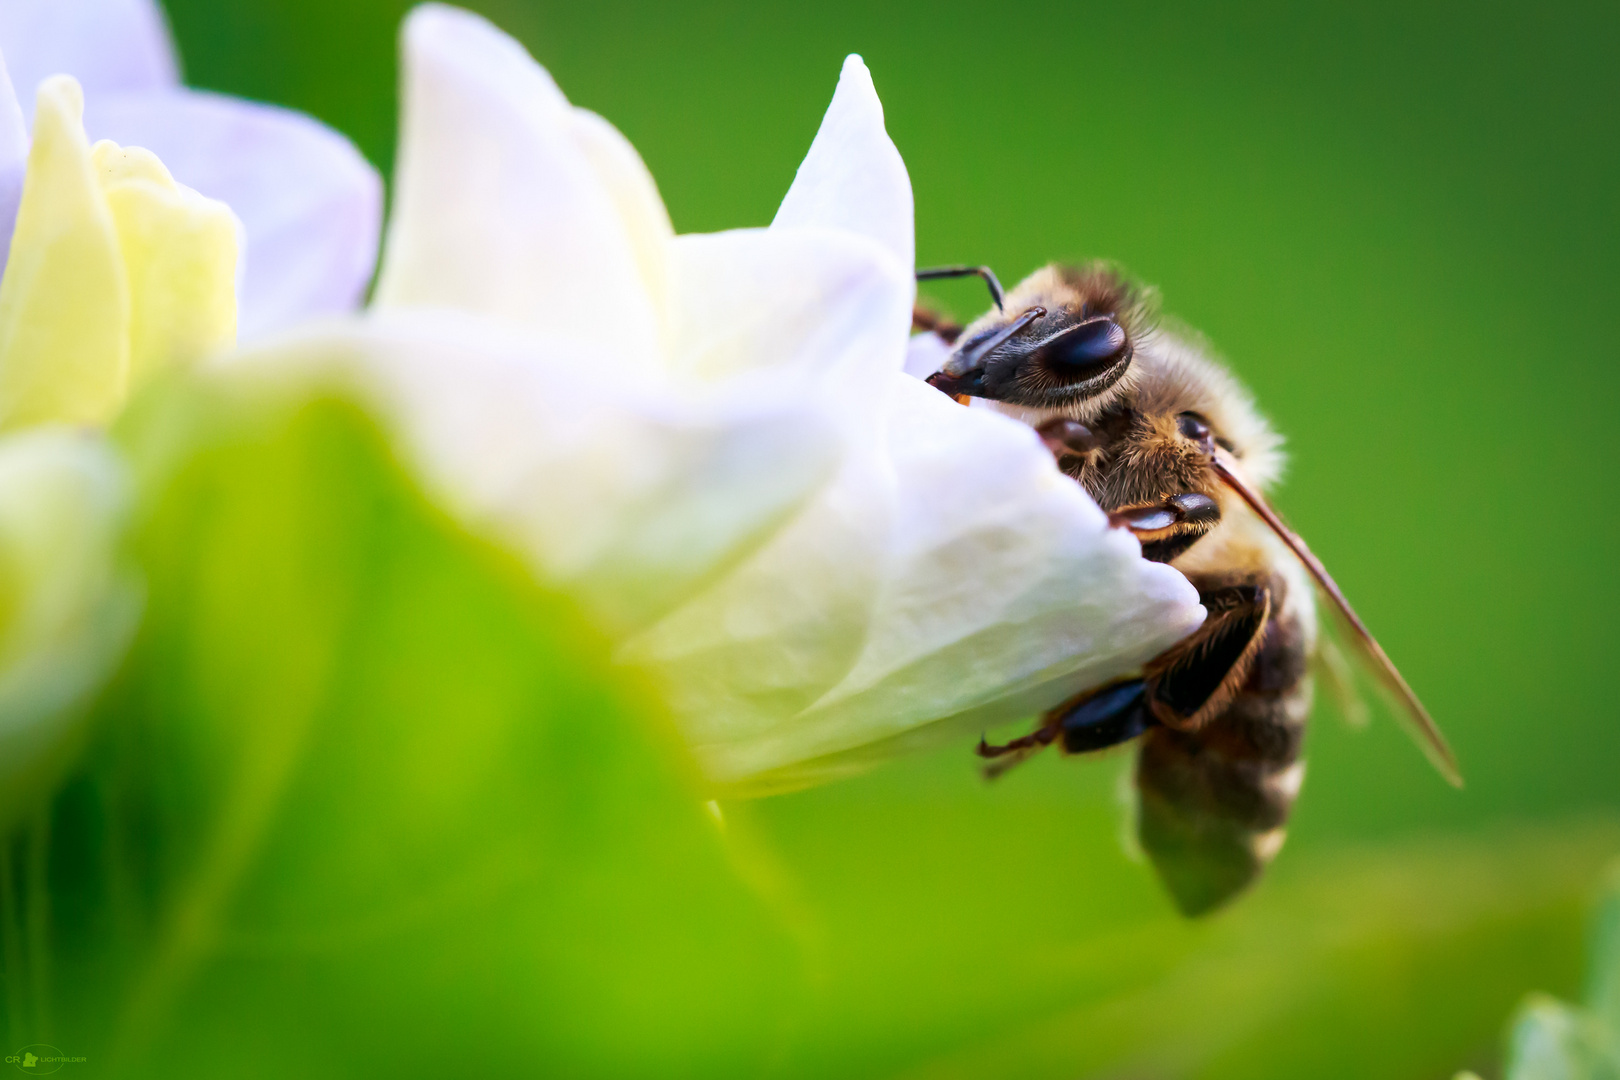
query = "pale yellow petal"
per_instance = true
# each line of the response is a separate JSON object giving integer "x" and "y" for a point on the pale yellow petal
{"x": 64, "y": 301}
{"x": 179, "y": 252}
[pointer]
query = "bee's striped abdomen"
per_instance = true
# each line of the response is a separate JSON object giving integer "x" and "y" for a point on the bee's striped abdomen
{"x": 1214, "y": 802}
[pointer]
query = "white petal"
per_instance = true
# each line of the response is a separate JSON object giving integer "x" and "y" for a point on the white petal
{"x": 110, "y": 46}
{"x": 13, "y": 160}
{"x": 1003, "y": 592}
{"x": 926, "y": 354}
{"x": 745, "y": 659}
{"x": 72, "y": 609}
{"x": 498, "y": 210}
{"x": 310, "y": 204}
{"x": 853, "y": 177}
{"x": 633, "y": 499}
{"x": 987, "y": 587}
{"x": 641, "y": 210}
{"x": 820, "y": 305}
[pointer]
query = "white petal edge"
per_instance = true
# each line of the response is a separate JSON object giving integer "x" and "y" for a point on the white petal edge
{"x": 633, "y": 500}
{"x": 822, "y": 306}
{"x": 635, "y": 195}
{"x": 986, "y": 586}
{"x": 13, "y": 160}
{"x": 110, "y": 46}
{"x": 853, "y": 177}
{"x": 498, "y": 210}
{"x": 310, "y": 204}
{"x": 64, "y": 497}
{"x": 926, "y": 354}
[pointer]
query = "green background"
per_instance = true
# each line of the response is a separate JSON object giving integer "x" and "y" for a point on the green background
{"x": 1400, "y": 224}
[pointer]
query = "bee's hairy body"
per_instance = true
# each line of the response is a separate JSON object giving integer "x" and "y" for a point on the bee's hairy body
{"x": 1220, "y": 716}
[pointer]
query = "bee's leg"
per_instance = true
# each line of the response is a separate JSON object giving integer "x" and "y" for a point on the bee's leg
{"x": 927, "y": 320}
{"x": 1068, "y": 438}
{"x": 1102, "y": 718}
{"x": 1197, "y": 677}
{"x": 1094, "y": 720}
{"x": 1035, "y": 740}
{"x": 1012, "y": 753}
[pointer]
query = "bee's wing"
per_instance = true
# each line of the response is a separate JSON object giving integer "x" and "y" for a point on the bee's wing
{"x": 1334, "y": 667}
{"x": 1359, "y": 637}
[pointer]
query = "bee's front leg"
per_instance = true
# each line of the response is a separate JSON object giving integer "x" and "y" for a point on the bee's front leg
{"x": 927, "y": 320}
{"x": 1197, "y": 676}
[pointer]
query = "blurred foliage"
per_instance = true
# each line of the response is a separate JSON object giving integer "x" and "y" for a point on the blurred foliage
{"x": 1555, "y": 1041}
{"x": 1400, "y": 222}
{"x": 366, "y": 799}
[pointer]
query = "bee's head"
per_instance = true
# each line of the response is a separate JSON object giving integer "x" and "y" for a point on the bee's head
{"x": 1063, "y": 340}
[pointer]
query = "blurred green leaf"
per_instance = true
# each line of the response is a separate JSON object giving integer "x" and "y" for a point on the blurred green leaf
{"x": 1603, "y": 985}
{"x": 365, "y": 801}
{"x": 971, "y": 933}
{"x": 1327, "y": 191}
{"x": 1554, "y": 1041}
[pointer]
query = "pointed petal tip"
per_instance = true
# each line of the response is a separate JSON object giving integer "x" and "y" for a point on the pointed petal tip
{"x": 855, "y": 86}
{"x": 853, "y": 177}
{"x": 426, "y": 18}
{"x": 509, "y": 203}
{"x": 61, "y": 92}
{"x": 856, "y": 90}
{"x": 464, "y": 37}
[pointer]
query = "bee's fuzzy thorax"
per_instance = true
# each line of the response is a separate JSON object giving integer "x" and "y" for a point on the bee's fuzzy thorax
{"x": 1175, "y": 375}
{"x": 1172, "y": 370}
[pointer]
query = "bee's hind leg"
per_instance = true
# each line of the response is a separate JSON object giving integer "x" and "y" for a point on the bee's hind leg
{"x": 1102, "y": 718}
{"x": 1094, "y": 720}
{"x": 1006, "y": 755}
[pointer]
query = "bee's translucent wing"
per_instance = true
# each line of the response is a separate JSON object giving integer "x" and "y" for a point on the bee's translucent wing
{"x": 1359, "y": 637}
{"x": 1334, "y": 667}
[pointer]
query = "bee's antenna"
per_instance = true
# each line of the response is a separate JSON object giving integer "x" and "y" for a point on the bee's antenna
{"x": 940, "y": 272}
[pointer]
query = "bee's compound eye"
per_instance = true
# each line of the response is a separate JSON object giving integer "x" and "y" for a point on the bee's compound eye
{"x": 1193, "y": 426}
{"x": 1095, "y": 344}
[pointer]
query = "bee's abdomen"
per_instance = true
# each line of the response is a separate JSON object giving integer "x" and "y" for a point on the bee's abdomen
{"x": 1213, "y": 802}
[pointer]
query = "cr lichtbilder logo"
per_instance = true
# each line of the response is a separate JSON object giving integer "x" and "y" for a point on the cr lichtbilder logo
{"x": 40, "y": 1059}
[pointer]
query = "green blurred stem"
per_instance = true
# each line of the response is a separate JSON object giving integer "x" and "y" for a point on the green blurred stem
{"x": 11, "y": 935}
{"x": 120, "y": 888}
{"x": 38, "y": 913}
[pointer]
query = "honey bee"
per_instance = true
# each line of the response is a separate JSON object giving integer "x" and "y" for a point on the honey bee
{"x": 1172, "y": 447}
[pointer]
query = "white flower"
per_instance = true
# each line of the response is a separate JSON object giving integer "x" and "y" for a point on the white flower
{"x": 710, "y": 439}
{"x": 309, "y": 203}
